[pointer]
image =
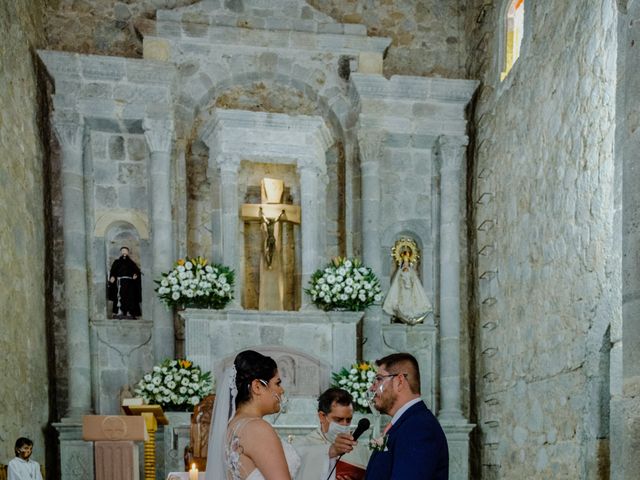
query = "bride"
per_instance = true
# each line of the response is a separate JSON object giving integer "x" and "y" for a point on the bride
{"x": 243, "y": 446}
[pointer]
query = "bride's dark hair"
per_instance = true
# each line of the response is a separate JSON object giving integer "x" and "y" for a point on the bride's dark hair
{"x": 251, "y": 365}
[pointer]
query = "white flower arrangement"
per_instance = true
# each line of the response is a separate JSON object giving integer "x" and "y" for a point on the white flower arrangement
{"x": 344, "y": 284}
{"x": 194, "y": 283}
{"x": 176, "y": 385}
{"x": 357, "y": 380}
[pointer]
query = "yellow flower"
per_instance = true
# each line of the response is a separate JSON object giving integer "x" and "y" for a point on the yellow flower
{"x": 184, "y": 363}
{"x": 181, "y": 261}
{"x": 364, "y": 366}
{"x": 202, "y": 261}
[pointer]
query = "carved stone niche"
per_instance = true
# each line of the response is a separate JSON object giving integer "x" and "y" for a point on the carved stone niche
{"x": 302, "y": 375}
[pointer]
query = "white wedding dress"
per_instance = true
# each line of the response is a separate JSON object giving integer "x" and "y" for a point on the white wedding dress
{"x": 233, "y": 453}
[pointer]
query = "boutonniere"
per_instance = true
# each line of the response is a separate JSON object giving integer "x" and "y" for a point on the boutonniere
{"x": 379, "y": 444}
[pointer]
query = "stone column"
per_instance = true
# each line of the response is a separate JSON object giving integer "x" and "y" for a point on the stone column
{"x": 370, "y": 144}
{"x": 159, "y": 133}
{"x": 452, "y": 151}
{"x": 70, "y": 135}
{"x": 230, "y": 213}
{"x": 313, "y": 185}
{"x": 455, "y": 426}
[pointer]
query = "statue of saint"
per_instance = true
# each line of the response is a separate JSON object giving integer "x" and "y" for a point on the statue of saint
{"x": 125, "y": 288}
{"x": 406, "y": 299}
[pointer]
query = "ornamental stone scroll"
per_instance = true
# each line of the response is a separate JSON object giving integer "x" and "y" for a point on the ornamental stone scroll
{"x": 69, "y": 132}
{"x": 159, "y": 134}
{"x": 370, "y": 145}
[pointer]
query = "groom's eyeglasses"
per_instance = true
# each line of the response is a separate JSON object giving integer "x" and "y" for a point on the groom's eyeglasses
{"x": 380, "y": 378}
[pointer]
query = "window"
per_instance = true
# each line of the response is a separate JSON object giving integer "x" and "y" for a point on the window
{"x": 514, "y": 28}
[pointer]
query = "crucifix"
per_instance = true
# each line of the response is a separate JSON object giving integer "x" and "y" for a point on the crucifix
{"x": 271, "y": 213}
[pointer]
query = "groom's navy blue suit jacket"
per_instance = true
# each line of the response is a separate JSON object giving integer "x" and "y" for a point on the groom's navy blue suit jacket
{"x": 416, "y": 449}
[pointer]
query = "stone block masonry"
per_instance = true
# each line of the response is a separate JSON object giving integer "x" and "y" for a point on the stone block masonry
{"x": 24, "y": 403}
{"x": 545, "y": 289}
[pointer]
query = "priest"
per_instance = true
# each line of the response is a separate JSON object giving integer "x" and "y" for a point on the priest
{"x": 332, "y": 442}
{"x": 125, "y": 290}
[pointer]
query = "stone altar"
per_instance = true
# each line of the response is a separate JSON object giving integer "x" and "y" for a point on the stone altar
{"x": 307, "y": 347}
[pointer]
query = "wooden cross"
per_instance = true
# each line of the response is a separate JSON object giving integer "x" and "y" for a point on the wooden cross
{"x": 271, "y": 213}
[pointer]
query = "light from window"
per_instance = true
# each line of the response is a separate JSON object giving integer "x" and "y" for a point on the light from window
{"x": 513, "y": 37}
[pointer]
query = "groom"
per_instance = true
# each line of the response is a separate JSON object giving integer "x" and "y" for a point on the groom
{"x": 413, "y": 446}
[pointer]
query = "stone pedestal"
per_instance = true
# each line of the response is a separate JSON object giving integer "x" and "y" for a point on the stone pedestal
{"x": 76, "y": 455}
{"x": 420, "y": 341}
{"x": 175, "y": 437}
{"x": 458, "y": 440}
{"x": 123, "y": 352}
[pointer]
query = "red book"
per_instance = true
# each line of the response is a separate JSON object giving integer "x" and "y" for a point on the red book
{"x": 349, "y": 470}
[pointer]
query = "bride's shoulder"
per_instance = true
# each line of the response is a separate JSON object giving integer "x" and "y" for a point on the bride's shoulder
{"x": 252, "y": 426}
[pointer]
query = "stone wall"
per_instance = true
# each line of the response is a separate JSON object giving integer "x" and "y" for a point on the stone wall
{"x": 625, "y": 335}
{"x": 544, "y": 248}
{"x": 103, "y": 27}
{"x": 428, "y": 39}
{"x": 24, "y": 405}
{"x": 427, "y": 35}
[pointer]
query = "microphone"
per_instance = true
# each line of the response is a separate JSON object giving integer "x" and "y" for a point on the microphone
{"x": 363, "y": 426}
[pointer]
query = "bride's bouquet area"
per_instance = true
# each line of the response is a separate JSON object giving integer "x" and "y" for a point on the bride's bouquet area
{"x": 357, "y": 380}
{"x": 195, "y": 283}
{"x": 344, "y": 284}
{"x": 176, "y": 385}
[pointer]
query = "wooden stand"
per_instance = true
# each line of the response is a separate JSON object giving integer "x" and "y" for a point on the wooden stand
{"x": 153, "y": 415}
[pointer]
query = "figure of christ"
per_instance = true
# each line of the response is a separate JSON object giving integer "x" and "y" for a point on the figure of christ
{"x": 268, "y": 233}
{"x": 271, "y": 213}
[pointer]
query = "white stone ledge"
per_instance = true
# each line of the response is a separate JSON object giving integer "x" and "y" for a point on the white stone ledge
{"x": 235, "y": 39}
{"x": 267, "y": 317}
{"x": 98, "y": 68}
{"x": 418, "y": 89}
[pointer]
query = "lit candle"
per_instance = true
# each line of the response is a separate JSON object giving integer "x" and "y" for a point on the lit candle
{"x": 193, "y": 473}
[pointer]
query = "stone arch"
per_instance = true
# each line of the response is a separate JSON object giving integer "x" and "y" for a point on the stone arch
{"x": 332, "y": 105}
{"x": 333, "y": 108}
{"x": 135, "y": 218}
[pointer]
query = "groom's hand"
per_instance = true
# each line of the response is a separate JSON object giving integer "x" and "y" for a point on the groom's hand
{"x": 344, "y": 443}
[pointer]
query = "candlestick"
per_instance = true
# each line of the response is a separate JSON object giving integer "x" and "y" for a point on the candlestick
{"x": 193, "y": 473}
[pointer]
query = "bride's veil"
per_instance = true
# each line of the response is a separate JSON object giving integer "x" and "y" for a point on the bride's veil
{"x": 224, "y": 409}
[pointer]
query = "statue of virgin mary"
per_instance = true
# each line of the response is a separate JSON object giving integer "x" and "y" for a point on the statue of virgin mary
{"x": 406, "y": 299}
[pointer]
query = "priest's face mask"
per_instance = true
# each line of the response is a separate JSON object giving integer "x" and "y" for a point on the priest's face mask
{"x": 24, "y": 452}
{"x": 337, "y": 420}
